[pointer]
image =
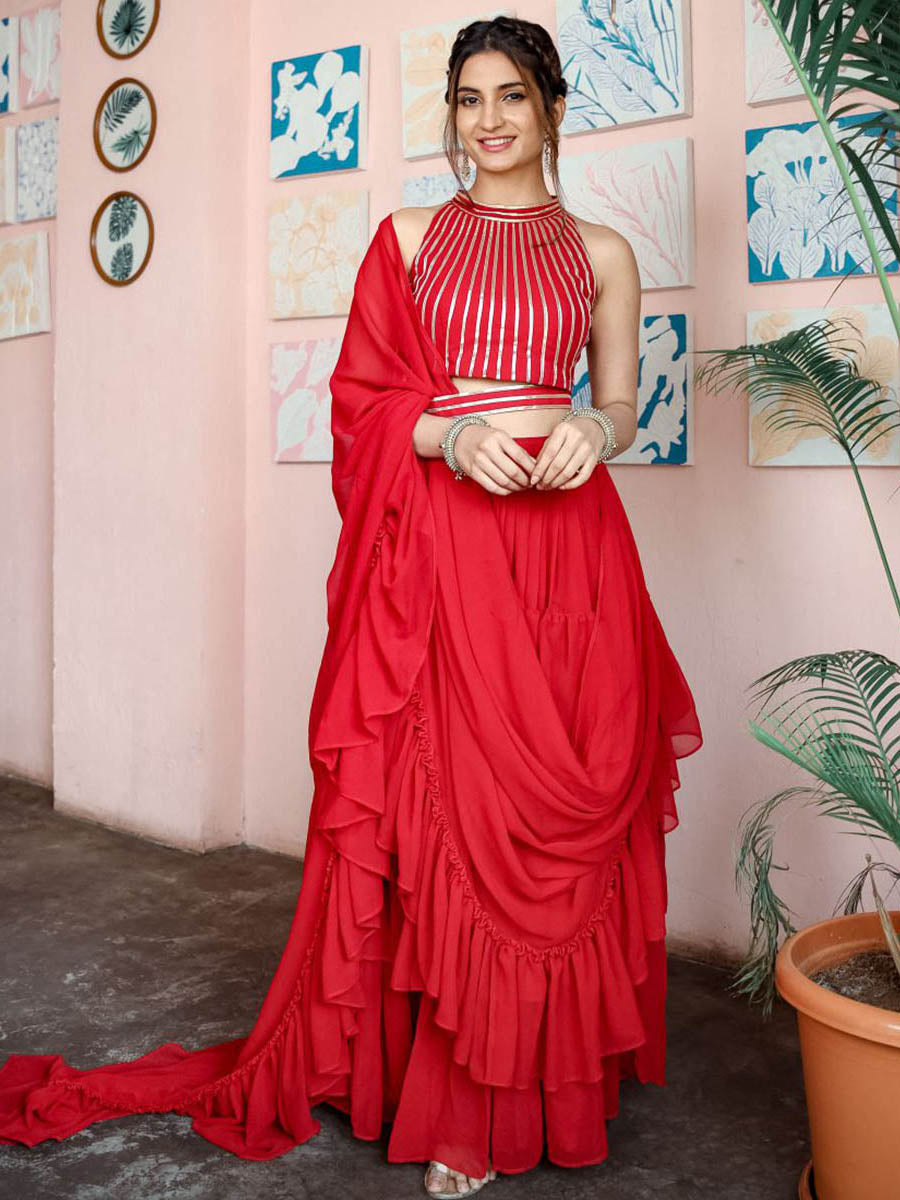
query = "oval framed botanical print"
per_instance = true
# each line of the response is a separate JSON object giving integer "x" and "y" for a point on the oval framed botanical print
{"x": 121, "y": 238}
{"x": 124, "y": 124}
{"x": 126, "y": 26}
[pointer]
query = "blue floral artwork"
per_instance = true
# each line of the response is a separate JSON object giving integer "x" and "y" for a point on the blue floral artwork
{"x": 9, "y": 64}
{"x": 623, "y": 67}
{"x": 37, "y": 146}
{"x": 800, "y": 223}
{"x": 318, "y": 113}
{"x": 664, "y": 407}
{"x": 423, "y": 191}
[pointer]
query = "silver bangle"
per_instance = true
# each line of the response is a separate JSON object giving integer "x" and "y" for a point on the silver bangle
{"x": 604, "y": 420}
{"x": 446, "y": 442}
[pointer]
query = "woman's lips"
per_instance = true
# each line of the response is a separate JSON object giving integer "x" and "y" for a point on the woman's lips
{"x": 497, "y": 149}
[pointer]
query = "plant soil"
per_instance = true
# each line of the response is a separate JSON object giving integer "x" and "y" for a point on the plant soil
{"x": 869, "y": 977}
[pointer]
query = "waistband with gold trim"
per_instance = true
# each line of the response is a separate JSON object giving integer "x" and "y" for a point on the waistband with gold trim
{"x": 519, "y": 396}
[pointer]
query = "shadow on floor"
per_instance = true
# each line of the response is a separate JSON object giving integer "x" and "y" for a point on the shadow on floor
{"x": 112, "y": 944}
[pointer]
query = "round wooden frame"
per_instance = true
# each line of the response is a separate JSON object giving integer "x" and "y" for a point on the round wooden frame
{"x": 101, "y": 5}
{"x": 98, "y": 267}
{"x": 99, "y": 113}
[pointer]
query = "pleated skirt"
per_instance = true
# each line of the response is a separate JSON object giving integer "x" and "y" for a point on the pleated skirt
{"x": 553, "y": 548}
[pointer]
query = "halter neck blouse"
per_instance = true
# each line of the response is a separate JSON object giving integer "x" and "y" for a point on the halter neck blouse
{"x": 505, "y": 291}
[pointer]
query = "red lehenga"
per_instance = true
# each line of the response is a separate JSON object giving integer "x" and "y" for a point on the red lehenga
{"x": 477, "y": 954}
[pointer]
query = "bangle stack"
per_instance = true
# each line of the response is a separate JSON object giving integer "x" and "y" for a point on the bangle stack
{"x": 602, "y": 419}
{"x": 446, "y": 443}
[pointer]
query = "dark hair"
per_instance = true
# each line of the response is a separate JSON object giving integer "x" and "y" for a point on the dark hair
{"x": 531, "y": 48}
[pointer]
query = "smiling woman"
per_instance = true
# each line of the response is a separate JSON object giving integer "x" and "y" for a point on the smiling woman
{"x": 478, "y": 951}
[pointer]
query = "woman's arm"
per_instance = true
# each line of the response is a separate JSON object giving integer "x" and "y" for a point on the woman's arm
{"x": 612, "y": 349}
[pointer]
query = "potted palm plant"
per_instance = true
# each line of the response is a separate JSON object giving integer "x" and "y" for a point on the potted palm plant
{"x": 836, "y": 715}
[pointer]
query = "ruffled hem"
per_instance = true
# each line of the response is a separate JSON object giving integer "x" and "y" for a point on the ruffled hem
{"x": 390, "y": 919}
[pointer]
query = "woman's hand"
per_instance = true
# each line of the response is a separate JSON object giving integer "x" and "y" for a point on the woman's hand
{"x": 493, "y": 459}
{"x": 569, "y": 455}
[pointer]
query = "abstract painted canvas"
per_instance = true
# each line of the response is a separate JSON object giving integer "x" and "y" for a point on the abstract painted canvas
{"x": 319, "y": 113}
{"x": 646, "y": 192}
{"x": 24, "y": 285}
{"x": 800, "y": 223}
{"x": 316, "y": 244}
{"x": 422, "y": 191}
{"x": 7, "y": 174}
{"x": 665, "y": 427}
{"x": 37, "y": 148}
{"x": 624, "y": 69}
{"x": 424, "y": 52}
{"x": 39, "y": 48}
{"x": 9, "y": 65}
{"x": 867, "y": 338}
{"x": 768, "y": 72}
{"x": 300, "y": 400}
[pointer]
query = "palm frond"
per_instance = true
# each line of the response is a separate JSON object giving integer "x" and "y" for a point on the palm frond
{"x": 769, "y": 919}
{"x": 837, "y": 716}
{"x": 810, "y": 378}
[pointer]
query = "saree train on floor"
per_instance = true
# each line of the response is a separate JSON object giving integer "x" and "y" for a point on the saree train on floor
{"x": 477, "y": 951}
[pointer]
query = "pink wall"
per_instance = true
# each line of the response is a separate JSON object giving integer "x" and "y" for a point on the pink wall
{"x": 189, "y": 569}
{"x": 26, "y": 517}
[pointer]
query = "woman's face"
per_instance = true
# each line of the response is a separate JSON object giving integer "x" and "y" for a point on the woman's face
{"x": 493, "y": 104}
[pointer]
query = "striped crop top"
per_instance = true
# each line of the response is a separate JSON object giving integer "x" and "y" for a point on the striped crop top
{"x": 505, "y": 292}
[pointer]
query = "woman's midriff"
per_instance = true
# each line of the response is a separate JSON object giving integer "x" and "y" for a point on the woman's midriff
{"x": 534, "y": 421}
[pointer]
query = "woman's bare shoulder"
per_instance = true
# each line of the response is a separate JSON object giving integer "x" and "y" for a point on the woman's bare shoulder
{"x": 610, "y": 251}
{"x": 410, "y": 225}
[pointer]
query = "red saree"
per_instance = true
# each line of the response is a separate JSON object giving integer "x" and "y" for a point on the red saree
{"x": 478, "y": 942}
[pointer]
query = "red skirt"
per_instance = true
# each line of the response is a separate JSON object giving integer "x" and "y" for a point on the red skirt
{"x": 478, "y": 950}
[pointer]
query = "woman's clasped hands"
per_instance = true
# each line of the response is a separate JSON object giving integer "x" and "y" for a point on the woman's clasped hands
{"x": 495, "y": 460}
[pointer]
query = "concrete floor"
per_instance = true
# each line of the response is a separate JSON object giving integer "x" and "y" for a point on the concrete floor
{"x": 111, "y": 945}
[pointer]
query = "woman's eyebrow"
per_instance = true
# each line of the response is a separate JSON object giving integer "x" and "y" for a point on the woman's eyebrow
{"x": 498, "y": 88}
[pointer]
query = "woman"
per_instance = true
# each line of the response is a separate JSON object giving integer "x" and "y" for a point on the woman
{"x": 478, "y": 947}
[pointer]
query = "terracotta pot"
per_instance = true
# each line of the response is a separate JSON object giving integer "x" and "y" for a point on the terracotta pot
{"x": 851, "y": 1065}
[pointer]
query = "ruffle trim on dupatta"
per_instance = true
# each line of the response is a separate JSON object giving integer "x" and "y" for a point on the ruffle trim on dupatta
{"x": 517, "y": 1011}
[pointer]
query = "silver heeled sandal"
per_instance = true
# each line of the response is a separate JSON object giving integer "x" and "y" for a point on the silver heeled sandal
{"x": 475, "y": 1185}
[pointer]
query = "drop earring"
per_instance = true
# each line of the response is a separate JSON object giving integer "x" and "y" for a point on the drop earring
{"x": 547, "y": 155}
{"x": 465, "y": 166}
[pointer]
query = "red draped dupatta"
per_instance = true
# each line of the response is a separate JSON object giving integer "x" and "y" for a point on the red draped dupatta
{"x": 504, "y": 876}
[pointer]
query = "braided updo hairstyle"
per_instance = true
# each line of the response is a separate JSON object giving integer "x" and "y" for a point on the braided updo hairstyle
{"x": 531, "y": 48}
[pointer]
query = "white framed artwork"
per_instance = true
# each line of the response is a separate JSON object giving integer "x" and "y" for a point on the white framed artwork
{"x": 37, "y": 152}
{"x": 627, "y": 68}
{"x": 645, "y": 191}
{"x": 300, "y": 399}
{"x": 424, "y": 52}
{"x": 9, "y": 65}
{"x": 7, "y": 174}
{"x": 319, "y": 113}
{"x": 665, "y": 406}
{"x": 24, "y": 285}
{"x": 867, "y": 337}
{"x": 316, "y": 245}
{"x": 39, "y": 50}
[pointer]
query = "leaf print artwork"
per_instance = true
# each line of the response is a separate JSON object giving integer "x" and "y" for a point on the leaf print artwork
{"x": 121, "y": 217}
{"x": 625, "y": 68}
{"x": 129, "y": 24}
{"x": 121, "y": 238}
{"x": 124, "y": 124}
{"x": 122, "y": 261}
{"x": 316, "y": 106}
{"x": 799, "y": 221}
{"x": 868, "y": 344}
{"x": 122, "y": 101}
{"x": 39, "y": 57}
{"x": 125, "y": 26}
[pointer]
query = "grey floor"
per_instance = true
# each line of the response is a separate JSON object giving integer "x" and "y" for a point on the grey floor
{"x": 111, "y": 945}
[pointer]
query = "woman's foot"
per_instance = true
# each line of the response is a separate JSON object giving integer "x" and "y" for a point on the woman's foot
{"x": 443, "y": 1181}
